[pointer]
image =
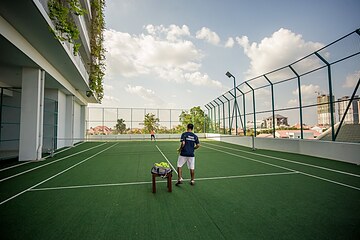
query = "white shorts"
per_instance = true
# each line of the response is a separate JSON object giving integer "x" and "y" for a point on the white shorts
{"x": 190, "y": 161}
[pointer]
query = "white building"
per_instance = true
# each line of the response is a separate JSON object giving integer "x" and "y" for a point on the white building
{"x": 280, "y": 121}
{"x": 259, "y": 124}
{"x": 352, "y": 116}
{"x": 44, "y": 86}
{"x": 323, "y": 110}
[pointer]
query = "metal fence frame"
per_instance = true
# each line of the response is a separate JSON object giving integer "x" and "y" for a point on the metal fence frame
{"x": 229, "y": 97}
{"x": 131, "y": 120}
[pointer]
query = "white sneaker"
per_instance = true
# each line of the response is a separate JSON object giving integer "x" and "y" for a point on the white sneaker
{"x": 179, "y": 182}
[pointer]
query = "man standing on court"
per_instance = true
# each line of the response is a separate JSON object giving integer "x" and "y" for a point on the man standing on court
{"x": 189, "y": 142}
{"x": 152, "y": 134}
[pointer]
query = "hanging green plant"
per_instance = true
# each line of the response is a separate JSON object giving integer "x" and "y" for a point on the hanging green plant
{"x": 60, "y": 12}
{"x": 97, "y": 64}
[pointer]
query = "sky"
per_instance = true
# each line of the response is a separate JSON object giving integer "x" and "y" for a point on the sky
{"x": 174, "y": 54}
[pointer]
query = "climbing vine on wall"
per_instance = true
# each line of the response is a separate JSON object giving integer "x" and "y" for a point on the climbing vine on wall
{"x": 60, "y": 12}
{"x": 97, "y": 64}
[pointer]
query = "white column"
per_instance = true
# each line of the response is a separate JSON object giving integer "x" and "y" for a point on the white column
{"x": 32, "y": 112}
{"x": 82, "y": 122}
{"x": 61, "y": 119}
{"x": 77, "y": 125}
{"x": 69, "y": 122}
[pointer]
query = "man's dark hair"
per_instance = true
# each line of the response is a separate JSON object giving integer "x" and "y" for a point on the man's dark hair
{"x": 190, "y": 126}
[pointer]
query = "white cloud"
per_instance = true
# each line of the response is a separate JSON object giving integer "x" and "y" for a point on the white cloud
{"x": 172, "y": 33}
{"x": 230, "y": 43}
{"x": 281, "y": 49}
{"x": 197, "y": 78}
{"x": 208, "y": 35}
{"x": 162, "y": 53}
{"x": 108, "y": 87}
{"x": 147, "y": 94}
{"x": 111, "y": 98}
{"x": 307, "y": 91}
{"x": 308, "y": 95}
{"x": 292, "y": 103}
{"x": 140, "y": 90}
{"x": 351, "y": 80}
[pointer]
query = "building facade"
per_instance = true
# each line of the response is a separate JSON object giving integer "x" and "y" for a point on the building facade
{"x": 44, "y": 83}
{"x": 280, "y": 121}
{"x": 352, "y": 116}
{"x": 323, "y": 110}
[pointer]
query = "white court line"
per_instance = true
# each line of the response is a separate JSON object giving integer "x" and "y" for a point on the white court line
{"x": 55, "y": 153}
{"x": 17, "y": 165}
{"x": 67, "y": 169}
{"x": 140, "y": 183}
{"x": 91, "y": 186}
{"x": 310, "y": 175}
{"x": 287, "y": 160}
{"x": 167, "y": 159}
{"x": 246, "y": 176}
{"x": 32, "y": 169}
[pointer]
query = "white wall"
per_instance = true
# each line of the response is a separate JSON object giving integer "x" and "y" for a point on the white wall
{"x": 139, "y": 136}
{"x": 82, "y": 121}
{"x": 346, "y": 152}
{"x": 61, "y": 131}
{"x": 77, "y": 124}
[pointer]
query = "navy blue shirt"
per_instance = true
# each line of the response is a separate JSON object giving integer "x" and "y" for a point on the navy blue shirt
{"x": 190, "y": 140}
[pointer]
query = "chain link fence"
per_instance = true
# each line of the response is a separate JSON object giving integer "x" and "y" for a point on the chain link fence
{"x": 314, "y": 97}
{"x": 103, "y": 121}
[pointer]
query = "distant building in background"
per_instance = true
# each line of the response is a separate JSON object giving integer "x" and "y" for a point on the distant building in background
{"x": 259, "y": 124}
{"x": 280, "y": 121}
{"x": 296, "y": 134}
{"x": 352, "y": 116}
{"x": 298, "y": 126}
{"x": 293, "y": 134}
{"x": 99, "y": 130}
{"x": 316, "y": 128}
{"x": 323, "y": 110}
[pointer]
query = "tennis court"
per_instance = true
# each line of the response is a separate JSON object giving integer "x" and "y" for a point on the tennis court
{"x": 102, "y": 190}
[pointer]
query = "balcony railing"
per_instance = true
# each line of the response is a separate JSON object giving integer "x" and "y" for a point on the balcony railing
{"x": 77, "y": 59}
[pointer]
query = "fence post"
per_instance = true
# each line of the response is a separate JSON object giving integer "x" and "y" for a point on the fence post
{"x": 300, "y": 101}
{"x": 214, "y": 108}
{"x": 131, "y": 120}
{"x": 331, "y": 95}
{"x": 244, "y": 126}
{"x": 223, "y": 107}
{"x": 218, "y": 113}
{"x": 273, "y": 104}
{"x": 253, "y": 93}
{"x": 234, "y": 109}
{"x": 205, "y": 118}
{"x": 347, "y": 108}
{"x": 228, "y": 101}
{"x": 103, "y": 116}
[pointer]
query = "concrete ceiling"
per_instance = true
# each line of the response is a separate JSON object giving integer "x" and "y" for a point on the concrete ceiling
{"x": 26, "y": 18}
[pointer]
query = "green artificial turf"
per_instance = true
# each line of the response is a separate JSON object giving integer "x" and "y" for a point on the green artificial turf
{"x": 293, "y": 205}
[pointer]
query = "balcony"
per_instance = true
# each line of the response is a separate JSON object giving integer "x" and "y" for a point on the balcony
{"x": 83, "y": 27}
